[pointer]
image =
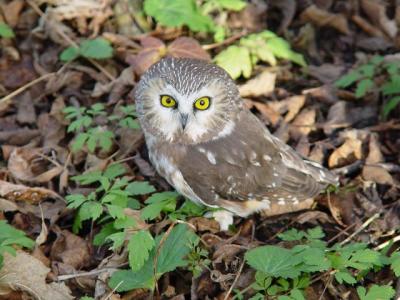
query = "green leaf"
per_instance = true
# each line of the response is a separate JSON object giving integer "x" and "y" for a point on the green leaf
{"x": 172, "y": 252}
{"x": 392, "y": 87}
{"x": 178, "y": 13}
{"x": 139, "y": 188}
{"x": 117, "y": 238}
{"x": 115, "y": 211}
{"x": 139, "y": 247}
{"x": 79, "y": 142}
{"x": 315, "y": 233}
{"x": 348, "y": 79}
{"x": 98, "y": 48}
{"x": 114, "y": 170}
{"x": 90, "y": 210}
{"x": 376, "y": 292}
{"x": 291, "y": 235}
{"x": 274, "y": 261}
{"x": 395, "y": 263}
{"x": 345, "y": 277}
{"x": 390, "y": 105}
{"x": 6, "y": 31}
{"x": 101, "y": 237}
{"x": 69, "y": 54}
{"x": 76, "y": 200}
{"x": 363, "y": 87}
{"x": 235, "y": 5}
{"x": 158, "y": 202}
{"x": 236, "y": 61}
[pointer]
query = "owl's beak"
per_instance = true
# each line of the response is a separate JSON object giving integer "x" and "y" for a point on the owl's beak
{"x": 184, "y": 118}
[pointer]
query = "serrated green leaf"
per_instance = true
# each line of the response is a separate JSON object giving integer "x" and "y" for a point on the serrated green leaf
{"x": 390, "y": 105}
{"x": 139, "y": 188}
{"x": 345, "y": 277}
{"x": 395, "y": 263}
{"x": 107, "y": 230}
{"x": 236, "y": 61}
{"x": 75, "y": 200}
{"x": 274, "y": 261}
{"x": 6, "y": 31}
{"x": 98, "y": 48}
{"x": 139, "y": 247}
{"x": 315, "y": 233}
{"x": 363, "y": 87}
{"x": 348, "y": 79}
{"x": 90, "y": 210}
{"x": 79, "y": 142}
{"x": 291, "y": 235}
{"x": 115, "y": 211}
{"x": 172, "y": 252}
{"x": 235, "y": 5}
{"x": 69, "y": 54}
{"x": 178, "y": 13}
{"x": 117, "y": 239}
{"x": 376, "y": 292}
{"x": 391, "y": 87}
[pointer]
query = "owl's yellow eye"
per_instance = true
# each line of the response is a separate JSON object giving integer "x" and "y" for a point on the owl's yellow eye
{"x": 202, "y": 103}
{"x": 167, "y": 101}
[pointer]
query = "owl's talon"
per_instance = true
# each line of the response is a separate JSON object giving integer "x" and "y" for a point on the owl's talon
{"x": 223, "y": 217}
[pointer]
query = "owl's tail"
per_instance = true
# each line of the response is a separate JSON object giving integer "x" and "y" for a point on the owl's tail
{"x": 322, "y": 174}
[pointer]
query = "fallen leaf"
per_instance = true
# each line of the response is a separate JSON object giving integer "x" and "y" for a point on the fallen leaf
{"x": 288, "y": 10}
{"x": 303, "y": 124}
{"x": 28, "y": 164}
{"x": 376, "y": 12}
{"x": 291, "y": 105}
{"x": 28, "y": 274}
{"x": 261, "y": 85}
{"x": 348, "y": 152}
{"x": 26, "y": 110}
{"x": 71, "y": 250}
{"x": 187, "y": 47}
{"x": 322, "y": 18}
{"x": 205, "y": 224}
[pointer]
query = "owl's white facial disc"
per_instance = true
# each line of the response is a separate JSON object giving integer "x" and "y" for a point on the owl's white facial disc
{"x": 186, "y": 81}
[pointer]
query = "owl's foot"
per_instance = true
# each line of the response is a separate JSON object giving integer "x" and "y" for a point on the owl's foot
{"x": 223, "y": 217}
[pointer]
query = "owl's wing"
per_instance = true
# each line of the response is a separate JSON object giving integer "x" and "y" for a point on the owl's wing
{"x": 251, "y": 164}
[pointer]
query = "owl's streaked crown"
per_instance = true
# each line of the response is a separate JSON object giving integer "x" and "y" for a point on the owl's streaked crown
{"x": 186, "y": 80}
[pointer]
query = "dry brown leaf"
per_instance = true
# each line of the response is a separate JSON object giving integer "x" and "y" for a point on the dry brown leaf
{"x": 18, "y": 137}
{"x": 12, "y": 11}
{"x": 18, "y": 192}
{"x": 291, "y": 105}
{"x": 27, "y": 164}
{"x": 376, "y": 11}
{"x": 187, "y": 47}
{"x": 71, "y": 250}
{"x": 303, "y": 124}
{"x": 322, "y": 18}
{"x": 262, "y": 85}
{"x": 350, "y": 151}
{"x": 205, "y": 224}
{"x": 271, "y": 115}
{"x": 288, "y": 9}
{"x": 373, "y": 172}
{"x": 28, "y": 274}
{"x": 26, "y": 111}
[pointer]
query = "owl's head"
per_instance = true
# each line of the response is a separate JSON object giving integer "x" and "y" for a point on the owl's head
{"x": 182, "y": 100}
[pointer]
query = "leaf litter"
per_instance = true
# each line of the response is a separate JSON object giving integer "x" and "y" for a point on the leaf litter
{"x": 352, "y": 129}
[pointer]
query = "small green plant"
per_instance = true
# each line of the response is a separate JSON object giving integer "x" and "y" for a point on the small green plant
{"x": 363, "y": 79}
{"x": 98, "y": 48}
{"x": 285, "y": 273}
{"x": 6, "y": 31}
{"x": 189, "y": 13}
{"x": 9, "y": 237}
{"x": 265, "y": 46}
{"x": 198, "y": 260}
{"x": 91, "y": 135}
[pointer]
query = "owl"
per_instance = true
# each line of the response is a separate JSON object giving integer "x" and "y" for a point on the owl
{"x": 204, "y": 141}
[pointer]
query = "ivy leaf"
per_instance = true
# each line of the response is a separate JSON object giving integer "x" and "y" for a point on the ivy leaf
{"x": 236, "y": 61}
{"x": 139, "y": 247}
{"x": 274, "y": 261}
{"x": 6, "y": 31}
{"x": 376, "y": 292}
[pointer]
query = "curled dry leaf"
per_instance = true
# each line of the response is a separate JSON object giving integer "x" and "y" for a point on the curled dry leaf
{"x": 372, "y": 171}
{"x": 205, "y": 224}
{"x": 376, "y": 12}
{"x": 154, "y": 49}
{"x": 347, "y": 153}
{"x": 71, "y": 250}
{"x": 291, "y": 105}
{"x": 303, "y": 124}
{"x": 28, "y": 164}
{"x": 28, "y": 274}
{"x": 18, "y": 192}
{"x": 262, "y": 85}
{"x": 322, "y": 18}
{"x": 271, "y": 115}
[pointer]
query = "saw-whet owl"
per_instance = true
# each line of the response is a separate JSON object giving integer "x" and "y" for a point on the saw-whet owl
{"x": 204, "y": 141}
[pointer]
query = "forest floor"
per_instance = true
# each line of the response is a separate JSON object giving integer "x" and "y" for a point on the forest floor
{"x": 323, "y": 76}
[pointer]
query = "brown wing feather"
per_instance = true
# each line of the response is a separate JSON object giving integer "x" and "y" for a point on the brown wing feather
{"x": 251, "y": 164}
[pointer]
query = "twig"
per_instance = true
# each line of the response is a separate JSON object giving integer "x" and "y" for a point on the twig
{"x": 26, "y": 86}
{"x": 114, "y": 289}
{"x": 384, "y": 244}
{"x": 69, "y": 40}
{"x": 225, "y": 42}
{"x": 361, "y": 228}
{"x": 234, "y": 281}
{"x": 83, "y": 274}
